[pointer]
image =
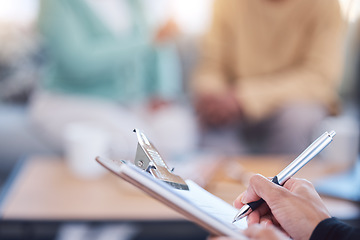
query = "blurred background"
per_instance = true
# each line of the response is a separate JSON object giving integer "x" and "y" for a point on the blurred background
{"x": 24, "y": 55}
{"x": 59, "y": 94}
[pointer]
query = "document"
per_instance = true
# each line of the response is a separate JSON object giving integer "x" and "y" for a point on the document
{"x": 197, "y": 204}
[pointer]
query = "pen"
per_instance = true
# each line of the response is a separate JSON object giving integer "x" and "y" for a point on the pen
{"x": 309, "y": 153}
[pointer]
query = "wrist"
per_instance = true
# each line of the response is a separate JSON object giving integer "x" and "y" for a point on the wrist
{"x": 321, "y": 227}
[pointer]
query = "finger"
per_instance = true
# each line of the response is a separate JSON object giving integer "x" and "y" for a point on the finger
{"x": 259, "y": 231}
{"x": 238, "y": 203}
{"x": 255, "y": 216}
{"x": 267, "y": 220}
{"x": 208, "y": 115}
{"x": 216, "y": 114}
{"x": 301, "y": 187}
{"x": 294, "y": 183}
{"x": 253, "y": 230}
{"x": 275, "y": 221}
{"x": 261, "y": 187}
{"x": 220, "y": 117}
{"x": 218, "y": 238}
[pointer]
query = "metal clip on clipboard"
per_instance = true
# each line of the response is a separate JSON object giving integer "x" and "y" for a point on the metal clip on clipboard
{"x": 148, "y": 158}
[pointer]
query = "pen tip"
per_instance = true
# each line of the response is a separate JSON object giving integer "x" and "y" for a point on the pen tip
{"x": 243, "y": 212}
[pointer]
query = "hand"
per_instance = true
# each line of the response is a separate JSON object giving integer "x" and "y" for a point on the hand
{"x": 258, "y": 232}
{"x": 166, "y": 32}
{"x": 156, "y": 104}
{"x": 217, "y": 110}
{"x": 296, "y": 207}
{"x": 264, "y": 232}
{"x": 219, "y": 238}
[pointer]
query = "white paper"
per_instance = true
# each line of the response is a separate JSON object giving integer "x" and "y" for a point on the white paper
{"x": 200, "y": 206}
{"x": 212, "y": 205}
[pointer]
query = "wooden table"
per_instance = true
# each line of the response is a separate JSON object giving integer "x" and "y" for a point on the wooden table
{"x": 43, "y": 188}
{"x": 233, "y": 179}
{"x": 237, "y": 171}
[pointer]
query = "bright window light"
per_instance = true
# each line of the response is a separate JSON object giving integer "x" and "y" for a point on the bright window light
{"x": 19, "y": 11}
{"x": 350, "y": 9}
{"x": 192, "y": 16}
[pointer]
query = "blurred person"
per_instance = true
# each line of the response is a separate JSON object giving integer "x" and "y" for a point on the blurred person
{"x": 110, "y": 65}
{"x": 294, "y": 211}
{"x": 20, "y": 60}
{"x": 21, "y": 56}
{"x": 268, "y": 74}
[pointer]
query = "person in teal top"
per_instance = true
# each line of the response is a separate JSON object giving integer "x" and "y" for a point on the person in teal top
{"x": 110, "y": 66}
{"x": 86, "y": 57}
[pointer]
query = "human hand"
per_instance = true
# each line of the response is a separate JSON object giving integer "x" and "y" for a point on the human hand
{"x": 156, "y": 104}
{"x": 217, "y": 110}
{"x": 296, "y": 207}
{"x": 168, "y": 31}
{"x": 219, "y": 238}
{"x": 264, "y": 232}
{"x": 258, "y": 232}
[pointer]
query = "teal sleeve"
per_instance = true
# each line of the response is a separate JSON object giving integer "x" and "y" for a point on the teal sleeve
{"x": 171, "y": 79}
{"x": 82, "y": 54}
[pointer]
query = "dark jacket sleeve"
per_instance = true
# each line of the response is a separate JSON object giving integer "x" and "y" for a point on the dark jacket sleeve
{"x": 331, "y": 228}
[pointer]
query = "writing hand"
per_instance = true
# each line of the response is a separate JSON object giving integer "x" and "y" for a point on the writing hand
{"x": 296, "y": 207}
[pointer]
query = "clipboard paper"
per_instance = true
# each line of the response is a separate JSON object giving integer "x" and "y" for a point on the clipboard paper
{"x": 196, "y": 204}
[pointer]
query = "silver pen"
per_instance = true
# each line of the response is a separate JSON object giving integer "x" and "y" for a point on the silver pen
{"x": 315, "y": 148}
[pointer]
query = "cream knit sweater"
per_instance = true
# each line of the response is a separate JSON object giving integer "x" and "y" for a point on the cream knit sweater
{"x": 271, "y": 52}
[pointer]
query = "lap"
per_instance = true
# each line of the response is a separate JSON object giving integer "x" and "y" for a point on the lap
{"x": 288, "y": 131}
{"x": 291, "y": 128}
{"x": 172, "y": 129}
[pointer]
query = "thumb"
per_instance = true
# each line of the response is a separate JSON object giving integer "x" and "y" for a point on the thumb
{"x": 261, "y": 187}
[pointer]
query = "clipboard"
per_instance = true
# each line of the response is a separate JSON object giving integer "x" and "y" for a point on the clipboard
{"x": 150, "y": 173}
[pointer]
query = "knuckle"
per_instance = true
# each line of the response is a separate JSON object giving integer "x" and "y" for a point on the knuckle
{"x": 276, "y": 195}
{"x": 279, "y": 193}
{"x": 304, "y": 184}
{"x": 254, "y": 179}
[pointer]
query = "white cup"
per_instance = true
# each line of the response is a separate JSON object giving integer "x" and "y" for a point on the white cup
{"x": 83, "y": 142}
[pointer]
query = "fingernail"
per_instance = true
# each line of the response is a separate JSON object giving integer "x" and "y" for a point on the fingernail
{"x": 243, "y": 198}
{"x": 237, "y": 203}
